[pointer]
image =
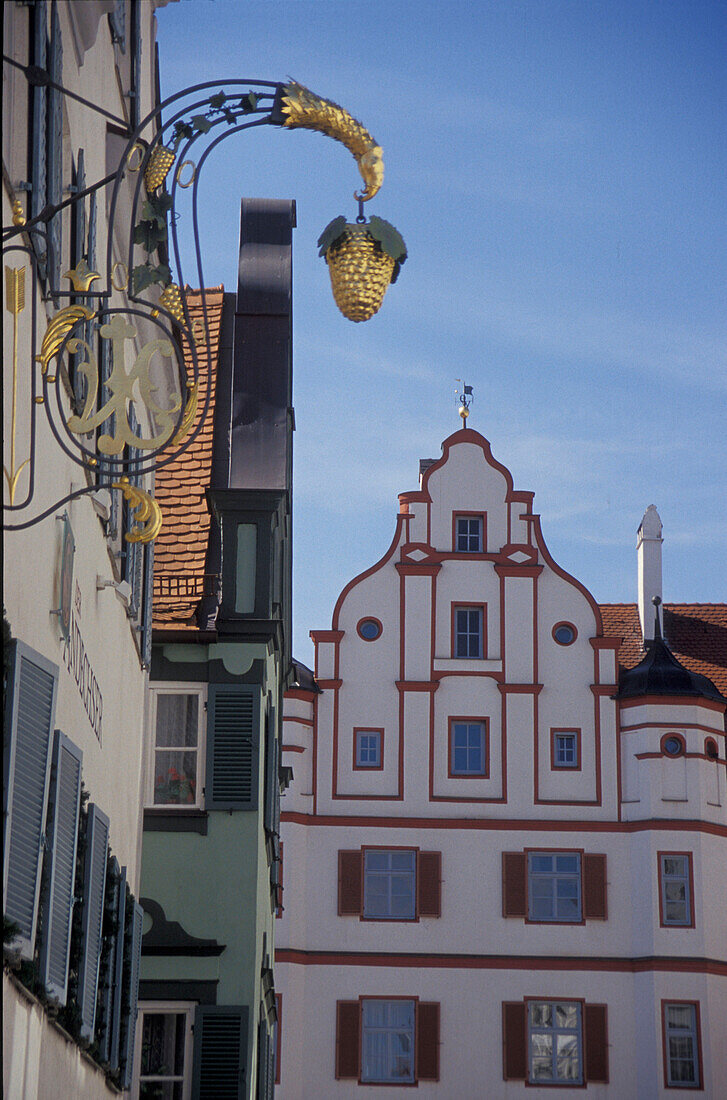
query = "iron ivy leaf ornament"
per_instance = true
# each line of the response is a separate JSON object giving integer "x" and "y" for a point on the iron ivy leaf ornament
{"x": 104, "y": 413}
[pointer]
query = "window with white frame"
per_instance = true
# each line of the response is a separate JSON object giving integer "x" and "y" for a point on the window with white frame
{"x": 682, "y": 1046}
{"x": 387, "y": 1041}
{"x": 368, "y": 748}
{"x": 164, "y": 1052}
{"x": 555, "y": 1042}
{"x": 554, "y": 886}
{"x": 468, "y": 632}
{"x": 177, "y": 747}
{"x": 389, "y": 884}
{"x": 467, "y": 748}
{"x": 676, "y": 896}
{"x": 565, "y": 750}
{"x": 468, "y": 534}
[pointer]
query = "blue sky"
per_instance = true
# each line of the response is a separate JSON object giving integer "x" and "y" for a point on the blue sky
{"x": 559, "y": 173}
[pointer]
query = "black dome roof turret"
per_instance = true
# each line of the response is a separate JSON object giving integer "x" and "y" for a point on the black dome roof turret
{"x": 660, "y": 673}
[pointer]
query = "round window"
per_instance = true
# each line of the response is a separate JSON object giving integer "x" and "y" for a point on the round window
{"x": 369, "y": 629}
{"x": 673, "y": 746}
{"x": 564, "y": 633}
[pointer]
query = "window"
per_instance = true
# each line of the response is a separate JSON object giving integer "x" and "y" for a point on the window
{"x": 564, "y": 633}
{"x": 165, "y": 1052}
{"x": 389, "y": 884}
{"x": 554, "y": 1041}
{"x": 672, "y": 744}
{"x": 387, "y": 1047}
{"x": 468, "y": 534}
{"x": 467, "y": 631}
{"x": 565, "y": 748}
{"x": 467, "y": 747}
{"x": 675, "y": 892}
{"x": 554, "y": 886}
{"x": 369, "y": 629}
{"x": 177, "y": 745}
{"x": 681, "y": 1040}
{"x": 387, "y": 1041}
{"x": 367, "y": 748}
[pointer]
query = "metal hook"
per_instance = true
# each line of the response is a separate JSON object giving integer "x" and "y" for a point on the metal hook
{"x": 361, "y": 219}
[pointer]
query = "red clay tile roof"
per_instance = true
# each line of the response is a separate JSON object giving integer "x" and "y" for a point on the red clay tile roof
{"x": 181, "y": 547}
{"x": 696, "y": 633}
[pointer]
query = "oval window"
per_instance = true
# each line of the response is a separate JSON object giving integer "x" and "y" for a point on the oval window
{"x": 673, "y": 746}
{"x": 564, "y": 633}
{"x": 369, "y": 629}
{"x": 710, "y": 749}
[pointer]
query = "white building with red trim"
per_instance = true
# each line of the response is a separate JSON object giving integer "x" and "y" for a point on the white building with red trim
{"x": 504, "y": 844}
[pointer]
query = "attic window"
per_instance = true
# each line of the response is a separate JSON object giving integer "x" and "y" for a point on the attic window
{"x": 564, "y": 633}
{"x": 672, "y": 745}
{"x": 369, "y": 629}
{"x": 710, "y": 749}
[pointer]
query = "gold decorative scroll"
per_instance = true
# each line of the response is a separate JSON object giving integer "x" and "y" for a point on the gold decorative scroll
{"x": 121, "y": 385}
{"x": 14, "y": 304}
{"x": 147, "y": 512}
{"x": 304, "y": 109}
{"x": 190, "y": 411}
{"x": 58, "y": 329}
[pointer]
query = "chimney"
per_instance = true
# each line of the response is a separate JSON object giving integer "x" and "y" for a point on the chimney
{"x": 648, "y": 549}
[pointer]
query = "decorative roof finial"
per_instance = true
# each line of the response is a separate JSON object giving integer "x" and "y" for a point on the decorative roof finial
{"x": 464, "y": 399}
{"x": 656, "y": 600}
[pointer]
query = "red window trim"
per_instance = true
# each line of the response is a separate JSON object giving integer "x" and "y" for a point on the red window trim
{"x": 532, "y": 920}
{"x": 390, "y": 920}
{"x": 470, "y": 719}
{"x": 369, "y": 767}
{"x": 371, "y": 619}
{"x": 671, "y": 756}
{"x": 386, "y": 997}
{"x": 555, "y": 1000}
{"x": 573, "y": 627}
{"x": 688, "y": 1088}
{"x": 469, "y": 515}
{"x": 690, "y": 859}
{"x": 462, "y": 604}
{"x": 554, "y": 765}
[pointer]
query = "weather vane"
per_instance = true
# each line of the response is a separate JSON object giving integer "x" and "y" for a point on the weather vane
{"x": 464, "y": 399}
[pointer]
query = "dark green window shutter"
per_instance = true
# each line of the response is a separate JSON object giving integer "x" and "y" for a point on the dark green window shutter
{"x": 272, "y": 777}
{"x": 265, "y": 1062}
{"x": 131, "y": 998}
{"x": 55, "y": 148}
{"x": 146, "y": 607}
{"x": 233, "y": 747}
{"x": 39, "y": 127}
{"x": 30, "y": 709}
{"x": 118, "y": 974}
{"x": 108, "y": 964}
{"x": 220, "y": 1052}
{"x": 94, "y": 887}
{"x": 64, "y": 807}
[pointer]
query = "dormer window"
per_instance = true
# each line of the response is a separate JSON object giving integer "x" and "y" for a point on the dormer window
{"x": 469, "y": 533}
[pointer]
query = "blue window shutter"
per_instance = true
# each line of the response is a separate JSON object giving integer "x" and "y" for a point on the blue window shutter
{"x": 64, "y": 807}
{"x": 220, "y": 1052}
{"x": 131, "y": 998}
{"x": 94, "y": 886}
{"x": 118, "y": 973}
{"x": 30, "y": 710}
{"x": 233, "y": 747}
{"x": 55, "y": 148}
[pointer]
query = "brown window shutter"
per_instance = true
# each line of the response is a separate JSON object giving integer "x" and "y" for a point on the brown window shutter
{"x": 594, "y": 887}
{"x": 349, "y": 883}
{"x": 596, "y": 1043}
{"x": 348, "y": 1038}
{"x": 514, "y": 885}
{"x": 514, "y": 1041}
{"x": 429, "y": 884}
{"x": 428, "y": 1040}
